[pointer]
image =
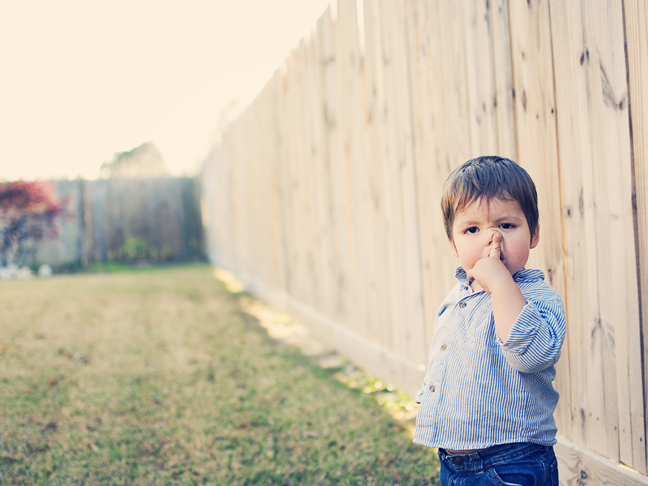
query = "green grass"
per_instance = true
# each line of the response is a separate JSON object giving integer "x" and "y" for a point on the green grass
{"x": 160, "y": 377}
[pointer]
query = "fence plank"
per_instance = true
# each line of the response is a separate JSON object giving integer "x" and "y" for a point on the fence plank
{"x": 284, "y": 178}
{"x": 238, "y": 196}
{"x": 416, "y": 346}
{"x": 320, "y": 185}
{"x": 275, "y": 200}
{"x": 301, "y": 247}
{"x": 450, "y": 116}
{"x": 598, "y": 85}
{"x": 384, "y": 257}
{"x": 404, "y": 231}
{"x": 533, "y": 92}
{"x": 271, "y": 158}
{"x": 429, "y": 177}
{"x": 223, "y": 212}
{"x": 448, "y": 54}
{"x": 255, "y": 187}
{"x": 208, "y": 202}
{"x": 480, "y": 77}
{"x": 312, "y": 144}
{"x": 636, "y": 37}
{"x": 396, "y": 340}
{"x": 259, "y": 187}
{"x": 498, "y": 26}
{"x": 352, "y": 128}
{"x": 337, "y": 173}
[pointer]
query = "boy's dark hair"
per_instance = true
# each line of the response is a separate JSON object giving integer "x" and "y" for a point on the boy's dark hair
{"x": 489, "y": 177}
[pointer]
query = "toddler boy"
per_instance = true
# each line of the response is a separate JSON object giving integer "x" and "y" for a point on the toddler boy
{"x": 487, "y": 400}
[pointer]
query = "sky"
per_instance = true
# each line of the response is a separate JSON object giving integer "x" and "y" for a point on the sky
{"x": 81, "y": 80}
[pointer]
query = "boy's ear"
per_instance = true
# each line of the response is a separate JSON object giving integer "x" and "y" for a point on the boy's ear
{"x": 536, "y": 237}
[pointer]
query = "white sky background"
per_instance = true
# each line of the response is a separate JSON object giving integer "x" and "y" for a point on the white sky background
{"x": 83, "y": 79}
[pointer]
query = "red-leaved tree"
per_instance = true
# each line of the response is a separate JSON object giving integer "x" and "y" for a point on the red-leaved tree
{"x": 28, "y": 212}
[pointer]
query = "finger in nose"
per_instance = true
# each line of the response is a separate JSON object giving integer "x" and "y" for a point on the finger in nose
{"x": 491, "y": 238}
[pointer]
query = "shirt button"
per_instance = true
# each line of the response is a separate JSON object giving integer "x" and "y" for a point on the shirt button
{"x": 432, "y": 388}
{"x": 462, "y": 304}
{"x": 443, "y": 347}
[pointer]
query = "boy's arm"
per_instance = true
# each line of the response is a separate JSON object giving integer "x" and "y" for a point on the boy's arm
{"x": 532, "y": 333}
{"x": 507, "y": 299}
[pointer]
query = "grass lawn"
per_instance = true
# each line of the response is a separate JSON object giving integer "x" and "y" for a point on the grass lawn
{"x": 159, "y": 377}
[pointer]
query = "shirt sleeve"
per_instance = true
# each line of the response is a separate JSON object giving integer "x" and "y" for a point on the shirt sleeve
{"x": 536, "y": 337}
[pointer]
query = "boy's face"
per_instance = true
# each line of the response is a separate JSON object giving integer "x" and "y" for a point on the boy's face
{"x": 473, "y": 229}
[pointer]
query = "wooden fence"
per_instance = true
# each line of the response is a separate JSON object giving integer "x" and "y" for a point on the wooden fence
{"x": 156, "y": 220}
{"x": 324, "y": 195}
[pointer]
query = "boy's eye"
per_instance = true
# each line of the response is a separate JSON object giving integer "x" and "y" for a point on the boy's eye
{"x": 472, "y": 230}
{"x": 507, "y": 226}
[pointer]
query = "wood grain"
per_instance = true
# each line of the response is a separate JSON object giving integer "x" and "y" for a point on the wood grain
{"x": 636, "y": 37}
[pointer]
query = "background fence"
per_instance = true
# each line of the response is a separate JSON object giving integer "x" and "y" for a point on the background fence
{"x": 324, "y": 195}
{"x": 156, "y": 220}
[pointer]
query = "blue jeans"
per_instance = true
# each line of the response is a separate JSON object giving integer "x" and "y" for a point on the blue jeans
{"x": 523, "y": 464}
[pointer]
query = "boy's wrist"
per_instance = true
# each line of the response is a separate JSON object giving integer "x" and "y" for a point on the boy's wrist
{"x": 504, "y": 284}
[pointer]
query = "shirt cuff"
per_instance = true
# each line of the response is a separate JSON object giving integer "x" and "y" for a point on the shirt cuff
{"x": 523, "y": 331}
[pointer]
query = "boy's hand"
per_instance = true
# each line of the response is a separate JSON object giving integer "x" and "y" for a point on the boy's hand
{"x": 492, "y": 275}
{"x": 491, "y": 271}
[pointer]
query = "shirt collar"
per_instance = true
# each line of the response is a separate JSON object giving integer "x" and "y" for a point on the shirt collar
{"x": 521, "y": 276}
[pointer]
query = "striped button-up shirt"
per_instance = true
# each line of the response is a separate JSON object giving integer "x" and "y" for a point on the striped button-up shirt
{"x": 479, "y": 391}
